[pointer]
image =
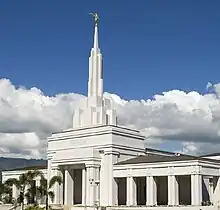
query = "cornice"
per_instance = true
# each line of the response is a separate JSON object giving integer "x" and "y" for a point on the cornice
{"x": 94, "y": 131}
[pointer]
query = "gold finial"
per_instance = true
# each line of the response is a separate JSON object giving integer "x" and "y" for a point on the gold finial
{"x": 96, "y": 17}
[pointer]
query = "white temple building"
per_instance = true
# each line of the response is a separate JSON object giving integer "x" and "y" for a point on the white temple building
{"x": 107, "y": 166}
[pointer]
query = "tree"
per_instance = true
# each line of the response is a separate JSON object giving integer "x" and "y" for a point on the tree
{"x": 45, "y": 188}
{"x": 26, "y": 186}
{"x": 5, "y": 193}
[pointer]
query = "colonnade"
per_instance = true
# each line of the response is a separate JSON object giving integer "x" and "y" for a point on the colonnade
{"x": 97, "y": 186}
{"x": 86, "y": 182}
{"x": 173, "y": 190}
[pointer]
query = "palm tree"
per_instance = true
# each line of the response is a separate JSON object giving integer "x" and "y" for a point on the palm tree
{"x": 26, "y": 186}
{"x": 45, "y": 188}
{"x": 5, "y": 193}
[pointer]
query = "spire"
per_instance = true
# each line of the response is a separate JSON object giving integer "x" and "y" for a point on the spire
{"x": 96, "y": 110}
{"x": 96, "y": 38}
{"x": 95, "y": 83}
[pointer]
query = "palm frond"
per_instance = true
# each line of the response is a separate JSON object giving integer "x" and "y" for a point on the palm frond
{"x": 20, "y": 198}
{"x": 55, "y": 179}
{"x": 23, "y": 179}
{"x": 36, "y": 173}
{"x": 41, "y": 191}
{"x": 12, "y": 181}
{"x": 51, "y": 195}
{"x": 43, "y": 182}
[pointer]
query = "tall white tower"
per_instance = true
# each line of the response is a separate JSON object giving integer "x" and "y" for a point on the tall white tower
{"x": 96, "y": 110}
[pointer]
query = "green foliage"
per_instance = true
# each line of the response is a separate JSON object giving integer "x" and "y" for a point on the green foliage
{"x": 27, "y": 186}
{"x": 206, "y": 203}
{"x": 55, "y": 179}
{"x": 6, "y": 193}
{"x": 34, "y": 207}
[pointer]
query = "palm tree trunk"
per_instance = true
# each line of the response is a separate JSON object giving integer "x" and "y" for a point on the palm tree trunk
{"x": 46, "y": 202}
{"x": 22, "y": 206}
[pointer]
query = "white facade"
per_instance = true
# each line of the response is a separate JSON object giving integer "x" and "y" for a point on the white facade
{"x": 105, "y": 165}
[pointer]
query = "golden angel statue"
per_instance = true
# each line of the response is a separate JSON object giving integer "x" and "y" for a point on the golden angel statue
{"x": 96, "y": 17}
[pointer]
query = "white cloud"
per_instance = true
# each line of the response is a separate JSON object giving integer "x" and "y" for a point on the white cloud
{"x": 199, "y": 148}
{"x": 28, "y": 117}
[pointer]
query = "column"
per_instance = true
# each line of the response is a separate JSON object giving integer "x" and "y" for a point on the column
{"x": 104, "y": 177}
{"x": 113, "y": 187}
{"x": 151, "y": 191}
{"x": 108, "y": 184}
{"x": 61, "y": 187}
{"x": 97, "y": 184}
{"x": 37, "y": 182}
{"x": 25, "y": 191}
{"x": 114, "y": 198}
{"x": 196, "y": 189}
{"x": 49, "y": 172}
{"x": 211, "y": 190}
{"x": 92, "y": 185}
{"x": 84, "y": 186}
{"x": 15, "y": 192}
{"x": 173, "y": 191}
{"x": 57, "y": 188}
{"x": 131, "y": 192}
{"x": 68, "y": 188}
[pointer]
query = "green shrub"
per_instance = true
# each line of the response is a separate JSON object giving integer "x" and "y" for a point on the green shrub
{"x": 35, "y": 207}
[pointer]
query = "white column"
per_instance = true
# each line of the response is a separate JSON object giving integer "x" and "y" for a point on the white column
{"x": 131, "y": 192}
{"x": 108, "y": 184}
{"x": 49, "y": 171}
{"x": 61, "y": 187}
{"x": 211, "y": 190}
{"x": 97, "y": 183}
{"x": 84, "y": 186}
{"x": 92, "y": 185}
{"x": 104, "y": 177}
{"x": 57, "y": 188}
{"x": 173, "y": 191}
{"x": 151, "y": 191}
{"x": 114, "y": 200}
{"x": 68, "y": 188}
{"x": 15, "y": 192}
{"x": 113, "y": 189}
{"x": 196, "y": 189}
{"x": 25, "y": 191}
{"x": 37, "y": 181}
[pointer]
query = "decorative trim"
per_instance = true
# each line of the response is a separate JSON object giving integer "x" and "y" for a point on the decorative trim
{"x": 117, "y": 132}
{"x": 90, "y": 165}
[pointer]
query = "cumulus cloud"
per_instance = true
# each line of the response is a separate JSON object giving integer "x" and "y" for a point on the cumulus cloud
{"x": 28, "y": 117}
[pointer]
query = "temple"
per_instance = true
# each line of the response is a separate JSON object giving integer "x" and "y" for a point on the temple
{"x": 106, "y": 166}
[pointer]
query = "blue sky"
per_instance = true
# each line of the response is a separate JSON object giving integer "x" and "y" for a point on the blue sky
{"x": 148, "y": 46}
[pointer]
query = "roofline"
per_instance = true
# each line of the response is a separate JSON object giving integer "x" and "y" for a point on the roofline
{"x": 160, "y": 151}
{"x": 211, "y": 154}
{"x": 95, "y": 126}
{"x": 34, "y": 167}
{"x": 203, "y": 160}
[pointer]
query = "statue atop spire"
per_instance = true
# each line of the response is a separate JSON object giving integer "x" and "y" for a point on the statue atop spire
{"x": 96, "y": 17}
